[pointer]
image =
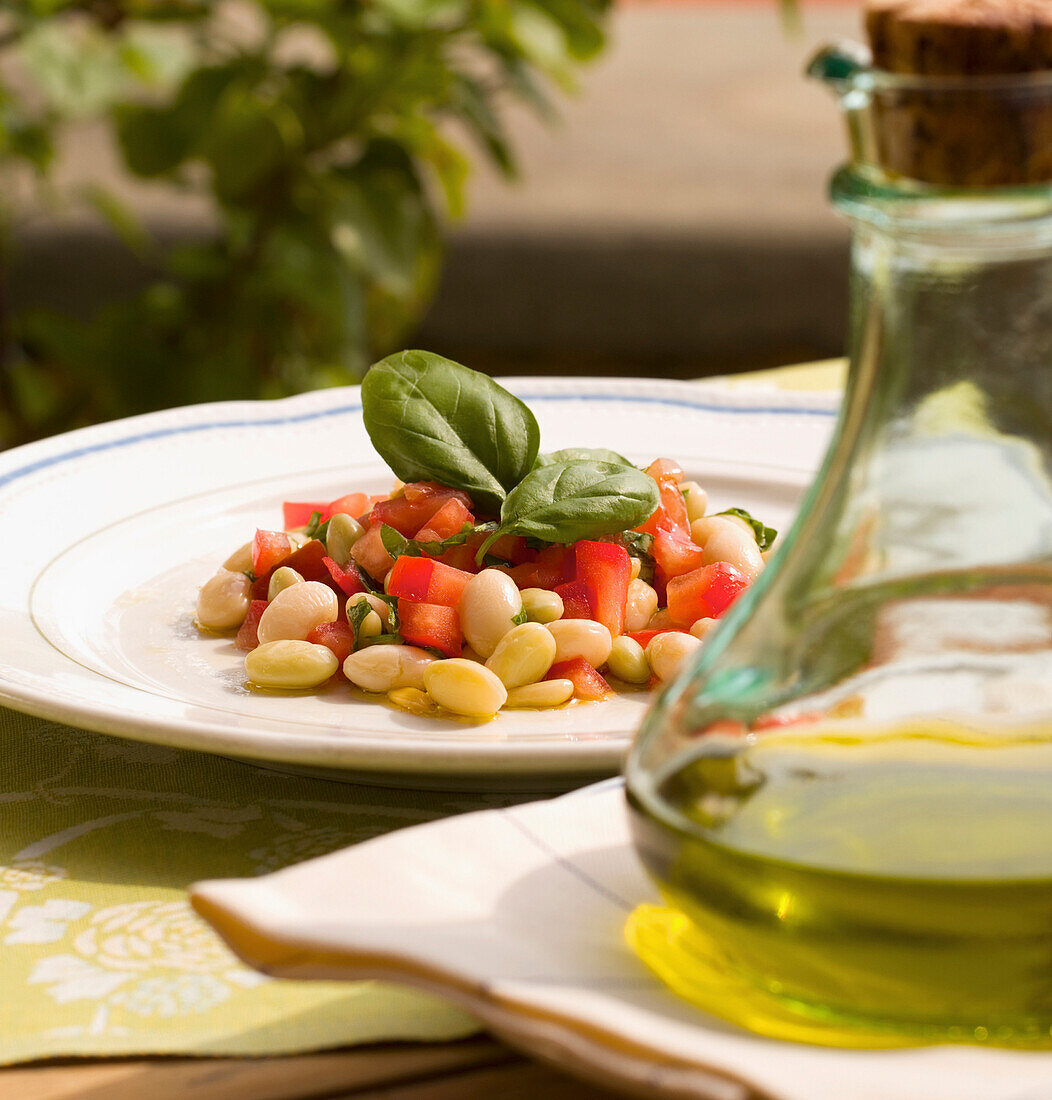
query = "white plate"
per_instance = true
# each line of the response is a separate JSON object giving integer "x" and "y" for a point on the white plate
{"x": 108, "y": 532}
{"x": 517, "y": 916}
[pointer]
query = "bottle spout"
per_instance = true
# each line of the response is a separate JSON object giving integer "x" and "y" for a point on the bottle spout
{"x": 846, "y": 68}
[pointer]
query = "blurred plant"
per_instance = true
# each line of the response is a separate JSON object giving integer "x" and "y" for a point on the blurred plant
{"x": 320, "y": 132}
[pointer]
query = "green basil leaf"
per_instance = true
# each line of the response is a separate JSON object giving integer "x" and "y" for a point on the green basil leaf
{"x": 431, "y": 419}
{"x": 394, "y": 543}
{"x": 383, "y": 639}
{"x": 356, "y": 615}
{"x": 637, "y": 543}
{"x": 581, "y": 454}
{"x": 764, "y": 535}
{"x": 568, "y": 501}
{"x": 521, "y": 617}
{"x": 315, "y": 529}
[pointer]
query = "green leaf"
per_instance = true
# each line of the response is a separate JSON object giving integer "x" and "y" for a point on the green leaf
{"x": 581, "y": 454}
{"x": 764, "y": 535}
{"x": 395, "y": 543}
{"x": 316, "y": 528}
{"x": 568, "y": 501}
{"x": 357, "y": 613}
{"x": 431, "y": 419}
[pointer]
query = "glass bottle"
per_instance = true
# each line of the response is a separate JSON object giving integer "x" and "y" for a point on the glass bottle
{"x": 847, "y": 799}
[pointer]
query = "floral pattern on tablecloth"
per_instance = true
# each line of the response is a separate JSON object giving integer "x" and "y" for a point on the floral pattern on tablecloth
{"x": 100, "y": 950}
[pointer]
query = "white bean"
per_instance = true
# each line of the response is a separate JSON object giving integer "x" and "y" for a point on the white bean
{"x": 240, "y": 560}
{"x": 342, "y": 533}
{"x": 667, "y": 653}
{"x": 290, "y": 664}
{"x": 381, "y": 607}
{"x": 662, "y": 620}
{"x": 489, "y": 605}
{"x": 627, "y": 661}
{"x": 642, "y": 602}
{"x": 729, "y": 539}
{"x": 523, "y": 655}
{"x": 223, "y": 601}
{"x": 465, "y": 687}
{"x": 542, "y": 605}
{"x": 296, "y": 611}
{"x": 414, "y": 700}
{"x": 547, "y": 693}
{"x": 581, "y": 638}
{"x": 695, "y": 498}
{"x": 387, "y": 667}
{"x": 702, "y": 627}
{"x": 283, "y": 577}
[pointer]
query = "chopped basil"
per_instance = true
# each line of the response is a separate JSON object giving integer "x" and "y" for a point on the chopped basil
{"x": 764, "y": 535}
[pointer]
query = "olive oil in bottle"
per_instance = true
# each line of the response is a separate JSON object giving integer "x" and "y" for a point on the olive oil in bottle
{"x": 878, "y": 887}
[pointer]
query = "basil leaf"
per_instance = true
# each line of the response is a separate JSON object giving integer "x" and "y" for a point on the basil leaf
{"x": 637, "y": 543}
{"x": 315, "y": 529}
{"x": 581, "y": 454}
{"x": 357, "y": 613}
{"x": 431, "y": 419}
{"x": 417, "y": 549}
{"x": 383, "y": 639}
{"x": 568, "y": 501}
{"x": 764, "y": 535}
{"x": 521, "y": 617}
{"x": 394, "y": 543}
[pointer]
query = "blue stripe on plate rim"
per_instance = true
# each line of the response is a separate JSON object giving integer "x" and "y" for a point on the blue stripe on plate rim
{"x": 342, "y": 410}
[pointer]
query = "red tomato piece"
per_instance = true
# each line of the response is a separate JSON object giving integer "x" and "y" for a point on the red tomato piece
{"x": 308, "y": 561}
{"x": 247, "y": 637}
{"x": 606, "y": 568}
{"x": 676, "y": 553}
{"x": 410, "y": 512}
{"x": 336, "y": 636}
{"x": 513, "y": 549}
{"x": 555, "y": 565}
{"x": 524, "y": 576}
{"x": 448, "y": 520}
{"x": 671, "y": 514}
{"x": 587, "y": 682}
{"x": 578, "y": 598}
{"x": 369, "y": 552}
{"x": 269, "y": 548}
{"x": 433, "y": 625}
{"x": 351, "y": 504}
{"x": 705, "y": 593}
{"x": 298, "y": 513}
{"x": 460, "y": 557}
{"x": 426, "y": 580}
{"x": 348, "y": 579}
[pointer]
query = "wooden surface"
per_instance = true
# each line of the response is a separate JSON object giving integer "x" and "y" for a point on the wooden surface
{"x": 475, "y": 1069}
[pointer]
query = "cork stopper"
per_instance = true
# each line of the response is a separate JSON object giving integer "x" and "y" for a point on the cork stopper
{"x": 964, "y": 127}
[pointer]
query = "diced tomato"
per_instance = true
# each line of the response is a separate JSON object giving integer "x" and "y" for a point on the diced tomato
{"x": 644, "y": 636}
{"x": 460, "y": 557}
{"x": 555, "y": 565}
{"x": 269, "y": 548}
{"x": 432, "y": 625}
{"x": 511, "y": 548}
{"x": 676, "y": 553}
{"x": 351, "y": 504}
{"x": 308, "y": 561}
{"x": 578, "y": 598}
{"x": 671, "y": 514}
{"x": 336, "y": 636}
{"x": 348, "y": 579}
{"x": 605, "y": 567}
{"x": 247, "y": 638}
{"x": 412, "y": 511}
{"x": 524, "y": 576}
{"x": 587, "y": 682}
{"x": 369, "y": 552}
{"x": 705, "y": 593}
{"x": 298, "y": 513}
{"x": 425, "y": 580}
{"x": 447, "y": 521}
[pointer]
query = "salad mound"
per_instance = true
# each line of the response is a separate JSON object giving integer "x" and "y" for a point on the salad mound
{"x": 493, "y": 575}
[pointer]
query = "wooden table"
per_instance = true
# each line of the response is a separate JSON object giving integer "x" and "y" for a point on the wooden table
{"x": 473, "y": 1069}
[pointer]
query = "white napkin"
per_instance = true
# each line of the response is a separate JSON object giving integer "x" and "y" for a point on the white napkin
{"x": 517, "y": 916}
